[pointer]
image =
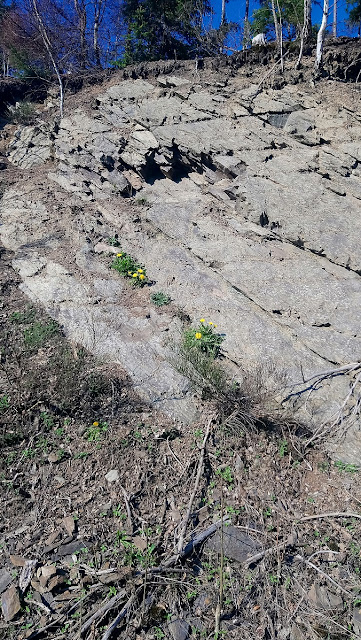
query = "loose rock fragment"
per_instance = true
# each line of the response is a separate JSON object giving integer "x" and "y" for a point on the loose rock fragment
{"x": 112, "y": 476}
{"x": 10, "y": 603}
{"x": 69, "y": 525}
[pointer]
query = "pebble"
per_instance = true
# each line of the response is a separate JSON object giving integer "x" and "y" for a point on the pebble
{"x": 112, "y": 476}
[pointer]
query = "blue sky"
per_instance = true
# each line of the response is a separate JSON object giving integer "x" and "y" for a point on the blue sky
{"x": 235, "y": 12}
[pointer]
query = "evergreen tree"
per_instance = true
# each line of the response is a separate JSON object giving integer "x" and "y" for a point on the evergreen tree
{"x": 354, "y": 16}
{"x": 163, "y": 29}
{"x": 292, "y": 18}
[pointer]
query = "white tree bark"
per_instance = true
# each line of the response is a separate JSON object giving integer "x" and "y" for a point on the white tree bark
{"x": 321, "y": 35}
{"x": 275, "y": 22}
{"x": 47, "y": 43}
{"x": 334, "y": 22}
{"x": 223, "y": 13}
{"x": 280, "y": 32}
{"x": 306, "y": 30}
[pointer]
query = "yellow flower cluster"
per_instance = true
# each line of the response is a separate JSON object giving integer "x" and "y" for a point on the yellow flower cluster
{"x": 95, "y": 424}
{"x": 198, "y": 335}
{"x": 138, "y": 274}
{"x": 210, "y": 323}
{"x": 119, "y": 255}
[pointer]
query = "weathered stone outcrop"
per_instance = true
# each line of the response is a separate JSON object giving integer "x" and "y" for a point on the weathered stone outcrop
{"x": 250, "y": 217}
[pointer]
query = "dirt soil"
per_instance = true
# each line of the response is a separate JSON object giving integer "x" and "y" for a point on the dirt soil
{"x": 95, "y": 491}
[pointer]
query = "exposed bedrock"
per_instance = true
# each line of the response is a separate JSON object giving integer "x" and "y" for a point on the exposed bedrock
{"x": 244, "y": 207}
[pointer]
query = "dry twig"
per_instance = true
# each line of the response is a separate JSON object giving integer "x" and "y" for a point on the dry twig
{"x": 196, "y": 484}
{"x": 334, "y": 514}
{"x": 322, "y": 573}
{"x": 102, "y": 610}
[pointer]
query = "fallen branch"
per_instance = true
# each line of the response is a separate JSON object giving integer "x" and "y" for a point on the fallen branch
{"x": 290, "y": 542}
{"x": 325, "y": 575}
{"x": 188, "y": 549}
{"x": 100, "y": 612}
{"x": 129, "y": 513}
{"x": 119, "y": 617}
{"x": 335, "y": 514}
{"x": 320, "y": 377}
{"x": 196, "y": 484}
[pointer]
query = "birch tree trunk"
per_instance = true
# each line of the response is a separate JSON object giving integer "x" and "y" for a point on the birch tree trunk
{"x": 223, "y": 13}
{"x": 280, "y": 32}
{"x": 246, "y": 25}
{"x": 306, "y": 30}
{"x": 321, "y": 35}
{"x": 48, "y": 47}
{"x": 275, "y": 22}
{"x": 334, "y": 22}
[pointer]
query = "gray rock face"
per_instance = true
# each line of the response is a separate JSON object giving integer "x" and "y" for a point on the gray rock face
{"x": 250, "y": 218}
{"x": 30, "y": 147}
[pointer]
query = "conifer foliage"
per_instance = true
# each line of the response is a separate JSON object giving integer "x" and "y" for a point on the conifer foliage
{"x": 163, "y": 29}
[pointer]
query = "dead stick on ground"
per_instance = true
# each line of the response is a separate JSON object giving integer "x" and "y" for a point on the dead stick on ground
{"x": 100, "y": 612}
{"x": 220, "y": 596}
{"x": 127, "y": 506}
{"x": 325, "y": 575}
{"x": 262, "y": 554}
{"x": 191, "y": 500}
{"x": 336, "y": 514}
{"x": 119, "y": 617}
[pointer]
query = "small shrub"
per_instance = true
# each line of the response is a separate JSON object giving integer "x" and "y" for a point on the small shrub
{"x": 113, "y": 241}
{"x": 128, "y": 267}
{"x": 22, "y": 113}
{"x": 160, "y": 299}
{"x": 141, "y": 202}
{"x": 203, "y": 339}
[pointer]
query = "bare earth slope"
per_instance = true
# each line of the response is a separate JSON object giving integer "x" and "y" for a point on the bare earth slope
{"x": 244, "y": 205}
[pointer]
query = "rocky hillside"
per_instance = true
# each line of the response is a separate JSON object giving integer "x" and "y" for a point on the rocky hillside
{"x": 239, "y": 191}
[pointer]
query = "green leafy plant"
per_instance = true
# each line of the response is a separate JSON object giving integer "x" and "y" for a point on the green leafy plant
{"x": 348, "y": 467}
{"x": 82, "y": 455}
{"x": 141, "y": 202}
{"x": 160, "y": 299}
{"x": 96, "y": 431}
{"x": 113, "y": 241}
{"x": 226, "y": 474}
{"x": 37, "y": 334}
{"x": 47, "y": 419}
{"x": 4, "y": 403}
{"x": 128, "y": 267}
{"x": 204, "y": 338}
{"x": 23, "y": 113}
{"x": 23, "y": 318}
{"x": 283, "y": 448}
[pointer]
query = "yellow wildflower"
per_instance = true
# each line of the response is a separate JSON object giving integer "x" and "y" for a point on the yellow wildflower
{"x": 95, "y": 424}
{"x": 215, "y": 326}
{"x": 202, "y": 320}
{"x": 142, "y": 276}
{"x": 119, "y": 255}
{"x": 210, "y": 323}
{"x": 140, "y": 270}
{"x": 130, "y": 273}
{"x": 135, "y": 275}
{"x": 198, "y": 335}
